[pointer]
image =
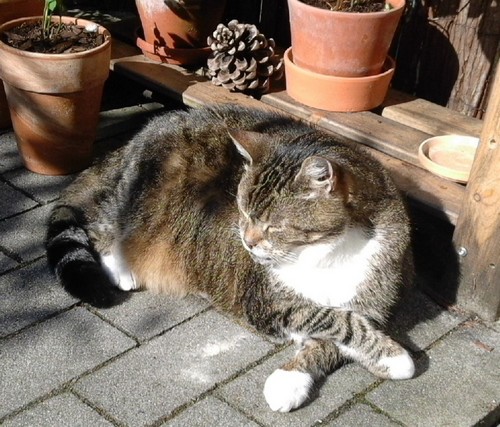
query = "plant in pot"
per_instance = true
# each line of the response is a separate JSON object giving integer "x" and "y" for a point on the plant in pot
{"x": 339, "y": 60}
{"x": 12, "y": 9}
{"x": 176, "y": 31}
{"x": 54, "y": 69}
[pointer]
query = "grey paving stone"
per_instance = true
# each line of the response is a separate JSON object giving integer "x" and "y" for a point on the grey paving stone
{"x": 60, "y": 411}
{"x": 24, "y": 234}
{"x": 51, "y": 353}
{"x": 6, "y": 263}
{"x": 362, "y": 416}
{"x": 42, "y": 188}
{"x": 245, "y": 393}
{"x": 12, "y": 201}
{"x": 461, "y": 385}
{"x": 147, "y": 314}
{"x": 29, "y": 295}
{"x": 210, "y": 412}
{"x": 9, "y": 156}
{"x": 494, "y": 325}
{"x": 150, "y": 382}
{"x": 419, "y": 322}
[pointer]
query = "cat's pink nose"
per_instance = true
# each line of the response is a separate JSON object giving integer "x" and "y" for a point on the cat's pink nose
{"x": 252, "y": 238}
{"x": 251, "y": 243}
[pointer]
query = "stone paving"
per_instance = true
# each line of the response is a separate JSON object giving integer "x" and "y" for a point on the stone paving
{"x": 158, "y": 361}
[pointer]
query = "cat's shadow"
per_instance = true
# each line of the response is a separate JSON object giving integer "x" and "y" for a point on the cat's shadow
{"x": 421, "y": 316}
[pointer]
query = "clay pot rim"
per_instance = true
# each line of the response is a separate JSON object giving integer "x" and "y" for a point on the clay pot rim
{"x": 388, "y": 68}
{"x": 449, "y": 142}
{"x": 54, "y": 56}
{"x": 397, "y": 5}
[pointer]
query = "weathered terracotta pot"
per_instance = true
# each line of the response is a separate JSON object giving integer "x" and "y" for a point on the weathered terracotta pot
{"x": 13, "y": 9}
{"x": 175, "y": 34}
{"x": 333, "y": 93}
{"x": 342, "y": 44}
{"x": 54, "y": 102}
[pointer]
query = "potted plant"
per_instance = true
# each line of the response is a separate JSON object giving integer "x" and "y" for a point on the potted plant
{"x": 12, "y": 9}
{"x": 54, "y": 98}
{"x": 176, "y": 31}
{"x": 341, "y": 45}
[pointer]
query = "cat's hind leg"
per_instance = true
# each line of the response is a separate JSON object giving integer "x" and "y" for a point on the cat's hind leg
{"x": 117, "y": 267}
{"x": 291, "y": 386}
{"x": 72, "y": 255}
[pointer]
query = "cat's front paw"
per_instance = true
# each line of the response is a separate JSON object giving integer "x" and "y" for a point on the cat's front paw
{"x": 400, "y": 367}
{"x": 287, "y": 390}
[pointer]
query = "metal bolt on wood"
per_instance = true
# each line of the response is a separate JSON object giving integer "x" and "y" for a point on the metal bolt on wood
{"x": 462, "y": 251}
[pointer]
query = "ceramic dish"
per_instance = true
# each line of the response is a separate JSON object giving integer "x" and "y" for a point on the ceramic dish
{"x": 449, "y": 156}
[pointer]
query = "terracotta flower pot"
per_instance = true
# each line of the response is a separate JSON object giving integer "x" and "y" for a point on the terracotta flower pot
{"x": 178, "y": 34}
{"x": 332, "y": 93}
{"x": 342, "y": 44}
{"x": 54, "y": 102}
{"x": 12, "y": 9}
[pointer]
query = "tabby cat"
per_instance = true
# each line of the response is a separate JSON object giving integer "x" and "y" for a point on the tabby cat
{"x": 303, "y": 236}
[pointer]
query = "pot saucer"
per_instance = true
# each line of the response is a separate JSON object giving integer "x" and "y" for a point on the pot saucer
{"x": 449, "y": 156}
{"x": 334, "y": 93}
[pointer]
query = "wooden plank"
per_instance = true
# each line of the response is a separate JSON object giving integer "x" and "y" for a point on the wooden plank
{"x": 439, "y": 197}
{"x": 178, "y": 83}
{"x": 477, "y": 234}
{"x": 428, "y": 117}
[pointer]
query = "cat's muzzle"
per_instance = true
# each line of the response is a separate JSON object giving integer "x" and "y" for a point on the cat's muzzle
{"x": 263, "y": 260}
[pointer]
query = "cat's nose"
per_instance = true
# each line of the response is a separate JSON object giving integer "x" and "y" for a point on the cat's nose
{"x": 251, "y": 243}
{"x": 252, "y": 238}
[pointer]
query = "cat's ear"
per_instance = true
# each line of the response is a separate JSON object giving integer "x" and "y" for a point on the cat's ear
{"x": 250, "y": 144}
{"x": 317, "y": 176}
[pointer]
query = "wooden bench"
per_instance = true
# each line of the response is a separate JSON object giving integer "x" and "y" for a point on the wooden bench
{"x": 392, "y": 134}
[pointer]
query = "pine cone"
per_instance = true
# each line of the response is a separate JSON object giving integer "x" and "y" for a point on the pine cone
{"x": 242, "y": 58}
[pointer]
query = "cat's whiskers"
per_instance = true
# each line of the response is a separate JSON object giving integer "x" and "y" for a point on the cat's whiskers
{"x": 283, "y": 256}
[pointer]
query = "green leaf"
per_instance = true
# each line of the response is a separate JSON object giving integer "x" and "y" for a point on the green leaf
{"x": 49, "y": 9}
{"x": 52, "y": 5}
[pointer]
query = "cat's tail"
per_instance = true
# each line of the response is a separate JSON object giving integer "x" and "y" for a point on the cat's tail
{"x": 75, "y": 262}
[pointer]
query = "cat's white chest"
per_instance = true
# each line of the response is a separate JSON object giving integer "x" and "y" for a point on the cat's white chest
{"x": 330, "y": 274}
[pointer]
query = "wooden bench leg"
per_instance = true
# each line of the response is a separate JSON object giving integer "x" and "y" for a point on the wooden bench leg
{"x": 477, "y": 233}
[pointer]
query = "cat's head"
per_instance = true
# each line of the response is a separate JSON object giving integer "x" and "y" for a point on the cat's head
{"x": 288, "y": 198}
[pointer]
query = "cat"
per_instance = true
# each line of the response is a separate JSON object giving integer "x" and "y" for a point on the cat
{"x": 304, "y": 236}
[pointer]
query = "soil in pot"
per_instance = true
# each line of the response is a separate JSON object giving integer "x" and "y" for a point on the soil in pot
{"x": 67, "y": 38}
{"x": 361, "y": 6}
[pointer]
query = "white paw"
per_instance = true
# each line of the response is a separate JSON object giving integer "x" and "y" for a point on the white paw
{"x": 286, "y": 390}
{"x": 399, "y": 367}
{"x": 126, "y": 282}
{"x": 118, "y": 270}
